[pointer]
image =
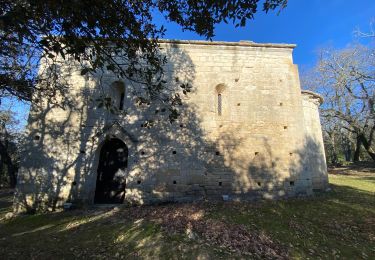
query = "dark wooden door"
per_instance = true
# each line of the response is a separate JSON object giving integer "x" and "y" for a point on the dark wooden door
{"x": 111, "y": 175}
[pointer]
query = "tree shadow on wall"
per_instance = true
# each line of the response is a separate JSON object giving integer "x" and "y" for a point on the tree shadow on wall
{"x": 49, "y": 155}
{"x": 199, "y": 156}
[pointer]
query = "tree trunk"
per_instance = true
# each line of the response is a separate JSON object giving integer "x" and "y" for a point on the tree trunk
{"x": 5, "y": 158}
{"x": 347, "y": 150}
{"x": 367, "y": 146}
{"x": 10, "y": 167}
{"x": 333, "y": 152}
{"x": 357, "y": 150}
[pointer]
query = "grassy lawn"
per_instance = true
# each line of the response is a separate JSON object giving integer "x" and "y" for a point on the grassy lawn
{"x": 338, "y": 224}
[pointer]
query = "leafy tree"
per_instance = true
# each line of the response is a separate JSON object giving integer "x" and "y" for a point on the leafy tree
{"x": 116, "y": 35}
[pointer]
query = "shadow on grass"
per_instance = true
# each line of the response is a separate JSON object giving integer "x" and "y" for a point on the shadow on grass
{"x": 331, "y": 225}
{"x": 371, "y": 179}
{"x": 359, "y": 168}
{"x": 105, "y": 233}
{"x": 6, "y": 201}
{"x": 339, "y": 223}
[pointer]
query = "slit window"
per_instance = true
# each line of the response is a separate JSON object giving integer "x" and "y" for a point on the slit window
{"x": 122, "y": 97}
{"x": 118, "y": 94}
{"x": 219, "y": 104}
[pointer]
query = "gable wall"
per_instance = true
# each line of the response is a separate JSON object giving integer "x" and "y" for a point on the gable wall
{"x": 254, "y": 149}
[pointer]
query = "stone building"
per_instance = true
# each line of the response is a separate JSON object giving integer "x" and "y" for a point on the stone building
{"x": 247, "y": 131}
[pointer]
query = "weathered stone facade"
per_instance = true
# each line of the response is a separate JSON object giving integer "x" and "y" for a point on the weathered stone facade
{"x": 246, "y": 131}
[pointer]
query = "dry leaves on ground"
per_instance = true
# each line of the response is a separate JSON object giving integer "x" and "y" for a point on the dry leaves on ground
{"x": 190, "y": 219}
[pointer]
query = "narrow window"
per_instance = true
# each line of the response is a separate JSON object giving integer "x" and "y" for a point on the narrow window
{"x": 118, "y": 94}
{"x": 122, "y": 97}
{"x": 219, "y": 102}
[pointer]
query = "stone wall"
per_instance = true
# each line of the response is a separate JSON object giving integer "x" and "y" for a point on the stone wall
{"x": 254, "y": 148}
{"x": 315, "y": 162}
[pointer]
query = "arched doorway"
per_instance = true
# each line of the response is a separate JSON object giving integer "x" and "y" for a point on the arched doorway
{"x": 111, "y": 174}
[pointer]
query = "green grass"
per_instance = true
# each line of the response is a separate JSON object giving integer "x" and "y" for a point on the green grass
{"x": 337, "y": 224}
{"x": 69, "y": 236}
{"x": 364, "y": 182}
{"x": 340, "y": 224}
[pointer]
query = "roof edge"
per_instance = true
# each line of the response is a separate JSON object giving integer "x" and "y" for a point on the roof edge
{"x": 223, "y": 43}
{"x": 314, "y": 94}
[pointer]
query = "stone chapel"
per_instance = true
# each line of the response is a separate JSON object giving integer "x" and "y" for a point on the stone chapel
{"x": 247, "y": 131}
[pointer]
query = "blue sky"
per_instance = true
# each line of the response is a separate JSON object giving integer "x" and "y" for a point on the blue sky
{"x": 308, "y": 23}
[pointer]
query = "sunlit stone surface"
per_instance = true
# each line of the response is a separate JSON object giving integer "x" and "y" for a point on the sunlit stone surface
{"x": 246, "y": 131}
